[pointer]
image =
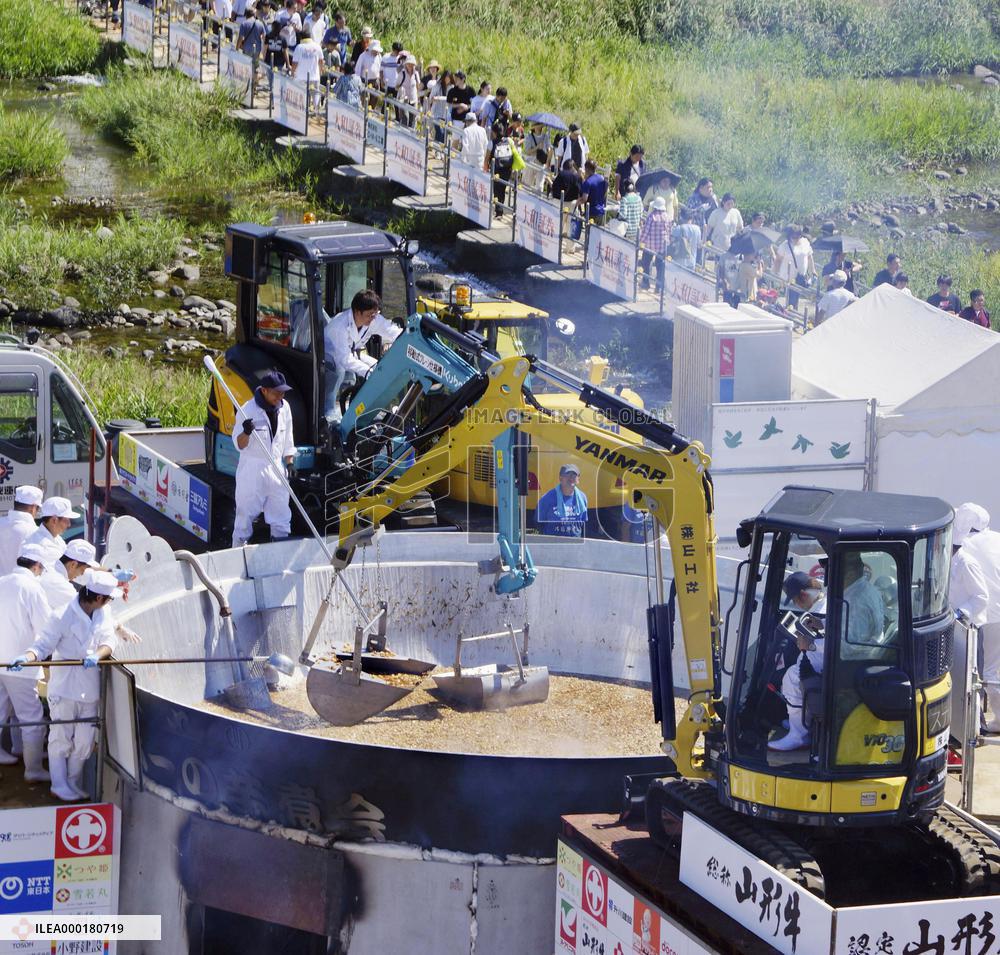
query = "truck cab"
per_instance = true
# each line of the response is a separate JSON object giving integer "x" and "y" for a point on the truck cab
{"x": 290, "y": 281}
{"x": 45, "y": 425}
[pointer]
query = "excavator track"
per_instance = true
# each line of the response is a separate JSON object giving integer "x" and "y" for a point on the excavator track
{"x": 948, "y": 857}
{"x": 769, "y": 843}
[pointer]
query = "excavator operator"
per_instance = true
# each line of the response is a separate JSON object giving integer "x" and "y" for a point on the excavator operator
{"x": 807, "y": 594}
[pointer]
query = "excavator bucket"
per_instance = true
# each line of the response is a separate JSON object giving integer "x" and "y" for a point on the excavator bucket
{"x": 490, "y": 688}
{"x": 344, "y": 696}
{"x": 379, "y": 663}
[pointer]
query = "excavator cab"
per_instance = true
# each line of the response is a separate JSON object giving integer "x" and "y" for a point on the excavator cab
{"x": 290, "y": 281}
{"x": 839, "y": 702}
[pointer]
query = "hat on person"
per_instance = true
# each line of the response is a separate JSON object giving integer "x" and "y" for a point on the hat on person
{"x": 410, "y": 58}
{"x": 659, "y": 203}
{"x": 83, "y": 552}
{"x": 28, "y": 494}
{"x": 57, "y": 507}
{"x": 969, "y": 519}
{"x": 839, "y": 275}
{"x": 34, "y": 552}
{"x": 569, "y": 469}
{"x": 470, "y": 117}
{"x": 795, "y": 583}
{"x": 101, "y": 582}
{"x": 367, "y": 32}
{"x": 433, "y": 64}
{"x": 275, "y": 380}
{"x": 375, "y": 46}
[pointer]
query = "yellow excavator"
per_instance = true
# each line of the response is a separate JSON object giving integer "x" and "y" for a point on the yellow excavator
{"x": 863, "y": 786}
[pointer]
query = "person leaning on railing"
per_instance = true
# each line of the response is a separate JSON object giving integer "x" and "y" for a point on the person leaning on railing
{"x": 654, "y": 238}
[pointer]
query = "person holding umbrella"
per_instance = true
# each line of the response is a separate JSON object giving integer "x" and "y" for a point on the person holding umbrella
{"x": 839, "y": 247}
{"x": 657, "y": 184}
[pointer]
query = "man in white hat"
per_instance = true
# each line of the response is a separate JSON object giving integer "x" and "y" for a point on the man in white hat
{"x": 55, "y": 518}
{"x": 975, "y": 588}
{"x": 26, "y": 614}
{"x": 836, "y": 299}
{"x": 18, "y": 524}
{"x": 58, "y": 580}
{"x": 84, "y": 631}
{"x": 475, "y": 142}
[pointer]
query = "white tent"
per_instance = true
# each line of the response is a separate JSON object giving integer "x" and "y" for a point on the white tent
{"x": 936, "y": 379}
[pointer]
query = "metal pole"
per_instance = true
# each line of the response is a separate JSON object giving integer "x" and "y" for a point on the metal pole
{"x": 970, "y": 734}
{"x": 562, "y": 200}
{"x": 427, "y": 153}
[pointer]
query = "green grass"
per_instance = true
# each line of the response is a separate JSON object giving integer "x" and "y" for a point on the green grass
{"x": 37, "y": 38}
{"x": 30, "y": 146}
{"x": 174, "y": 394}
{"x": 187, "y": 138}
{"x": 35, "y": 254}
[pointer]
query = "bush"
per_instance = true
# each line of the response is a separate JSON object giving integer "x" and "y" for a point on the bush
{"x": 177, "y": 395}
{"x": 34, "y": 254}
{"x": 30, "y": 146}
{"x": 38, "y": 38}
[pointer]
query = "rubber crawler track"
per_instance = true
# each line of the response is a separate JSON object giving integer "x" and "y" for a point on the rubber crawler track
{"x": 976, "y": 857}
{"x": 767, "y": 842}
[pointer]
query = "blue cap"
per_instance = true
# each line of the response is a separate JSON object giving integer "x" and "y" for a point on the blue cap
{"x": 795, "y": 583}
{"x": 275, "y": 380}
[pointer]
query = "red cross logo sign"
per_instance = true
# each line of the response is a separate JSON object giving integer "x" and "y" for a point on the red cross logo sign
{"x": 595, "y": 893}
{"x": 84, "y": 831}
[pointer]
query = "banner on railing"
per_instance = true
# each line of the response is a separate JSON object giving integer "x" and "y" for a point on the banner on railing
{"x": 375, "y": 130}
{"x": 345, "y": 130}
{"x": 537, "y": 225}
{"x": 236, "y": 74}
{"x": 184, "y": 50}
{"x": 291, "y": 102}
{"x": 681, "y": 286}
{"x": 406, "y": 160}
{"x": 137, "y": 27}
{"x": 470, "y": 193}
{"x": 611, "y": 263}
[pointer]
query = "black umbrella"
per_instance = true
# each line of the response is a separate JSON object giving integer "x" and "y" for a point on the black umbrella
{"x": 750, "y": 242}
{"x": 649, "y": 179}
{"x": 839, "y": 243}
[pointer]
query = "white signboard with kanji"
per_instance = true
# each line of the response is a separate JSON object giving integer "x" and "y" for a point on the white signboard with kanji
{"x": 137, "y": 26}
{"x": 62, "y": 860}
{"x": 537, "y": 225}
{"x": 406, "y": 160}
{"x": 236, "y": 73}
{"x": 789, "y": 434}
{"x": 611, "y": 263}
{"x": 598, "y": 915}
{"x": 681, "y": 286}
{"x": 752, "y": 893}
{"x": 921, "y": 928}
{"x": 345, "y": 130}
{"x": 184, "y": 50}
{"x": 470, "y": 192}
{"x": 291, "y": 102}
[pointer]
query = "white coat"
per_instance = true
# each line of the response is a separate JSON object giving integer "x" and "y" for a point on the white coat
{"x": 73, "y": 636}
{"x": 967, "y": 588}
{"x": 344, "y": 345}
{"x": 15, "y": 527}
{"x": 59, "y": 591}
{"x": 26, "y": 614}
{"x": 258, "y": 488}
{"x": 54, "y": 547}
{"x": 983, "y": 550}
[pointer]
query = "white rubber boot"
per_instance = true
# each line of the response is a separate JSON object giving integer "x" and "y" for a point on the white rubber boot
{"x": 75, "y": 776}
{"x": 797, "y": 736}
{"x": 7, "y": 759}
{"x": 60, "y": 787}
{"x": 34, "y": 772}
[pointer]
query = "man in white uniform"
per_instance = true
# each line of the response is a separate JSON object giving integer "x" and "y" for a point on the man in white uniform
{"x": 85, "y": 632}
{"x": 26, "y": 614}
{"x": 57, "y": 581}
{"x": 967, "y": 588}
{"x": 18, "y": 524}
{"x": 805, "y": 593}
{"x": 56, "y": 517}
{"x": 981, "y": 550}
{"x": 474, "y": 141}
{"x": 344, "y": 340}
{"x": 258, "y": 488}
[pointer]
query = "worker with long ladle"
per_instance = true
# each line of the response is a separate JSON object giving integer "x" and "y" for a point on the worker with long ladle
{"x": 84, "y": 631}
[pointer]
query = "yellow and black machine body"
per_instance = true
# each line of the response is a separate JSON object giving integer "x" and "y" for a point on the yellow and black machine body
{"x": 871, "y": 660}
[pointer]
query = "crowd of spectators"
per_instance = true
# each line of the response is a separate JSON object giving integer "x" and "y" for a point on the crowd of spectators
{"x": 491, "y": 134}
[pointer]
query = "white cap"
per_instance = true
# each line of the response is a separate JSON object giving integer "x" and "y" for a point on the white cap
{"x": 839, "y": 275}
{"x": 57, "y": 507}
{"x": 375, "y": 46}
{"x": 28, "y": 494}
{"x": 82, "y": 551}
{"x": 968, "y": 518}
{"x": 100, "y": 582}
{"x": 33, "y": 552}
{"x": 659, "y": 203}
